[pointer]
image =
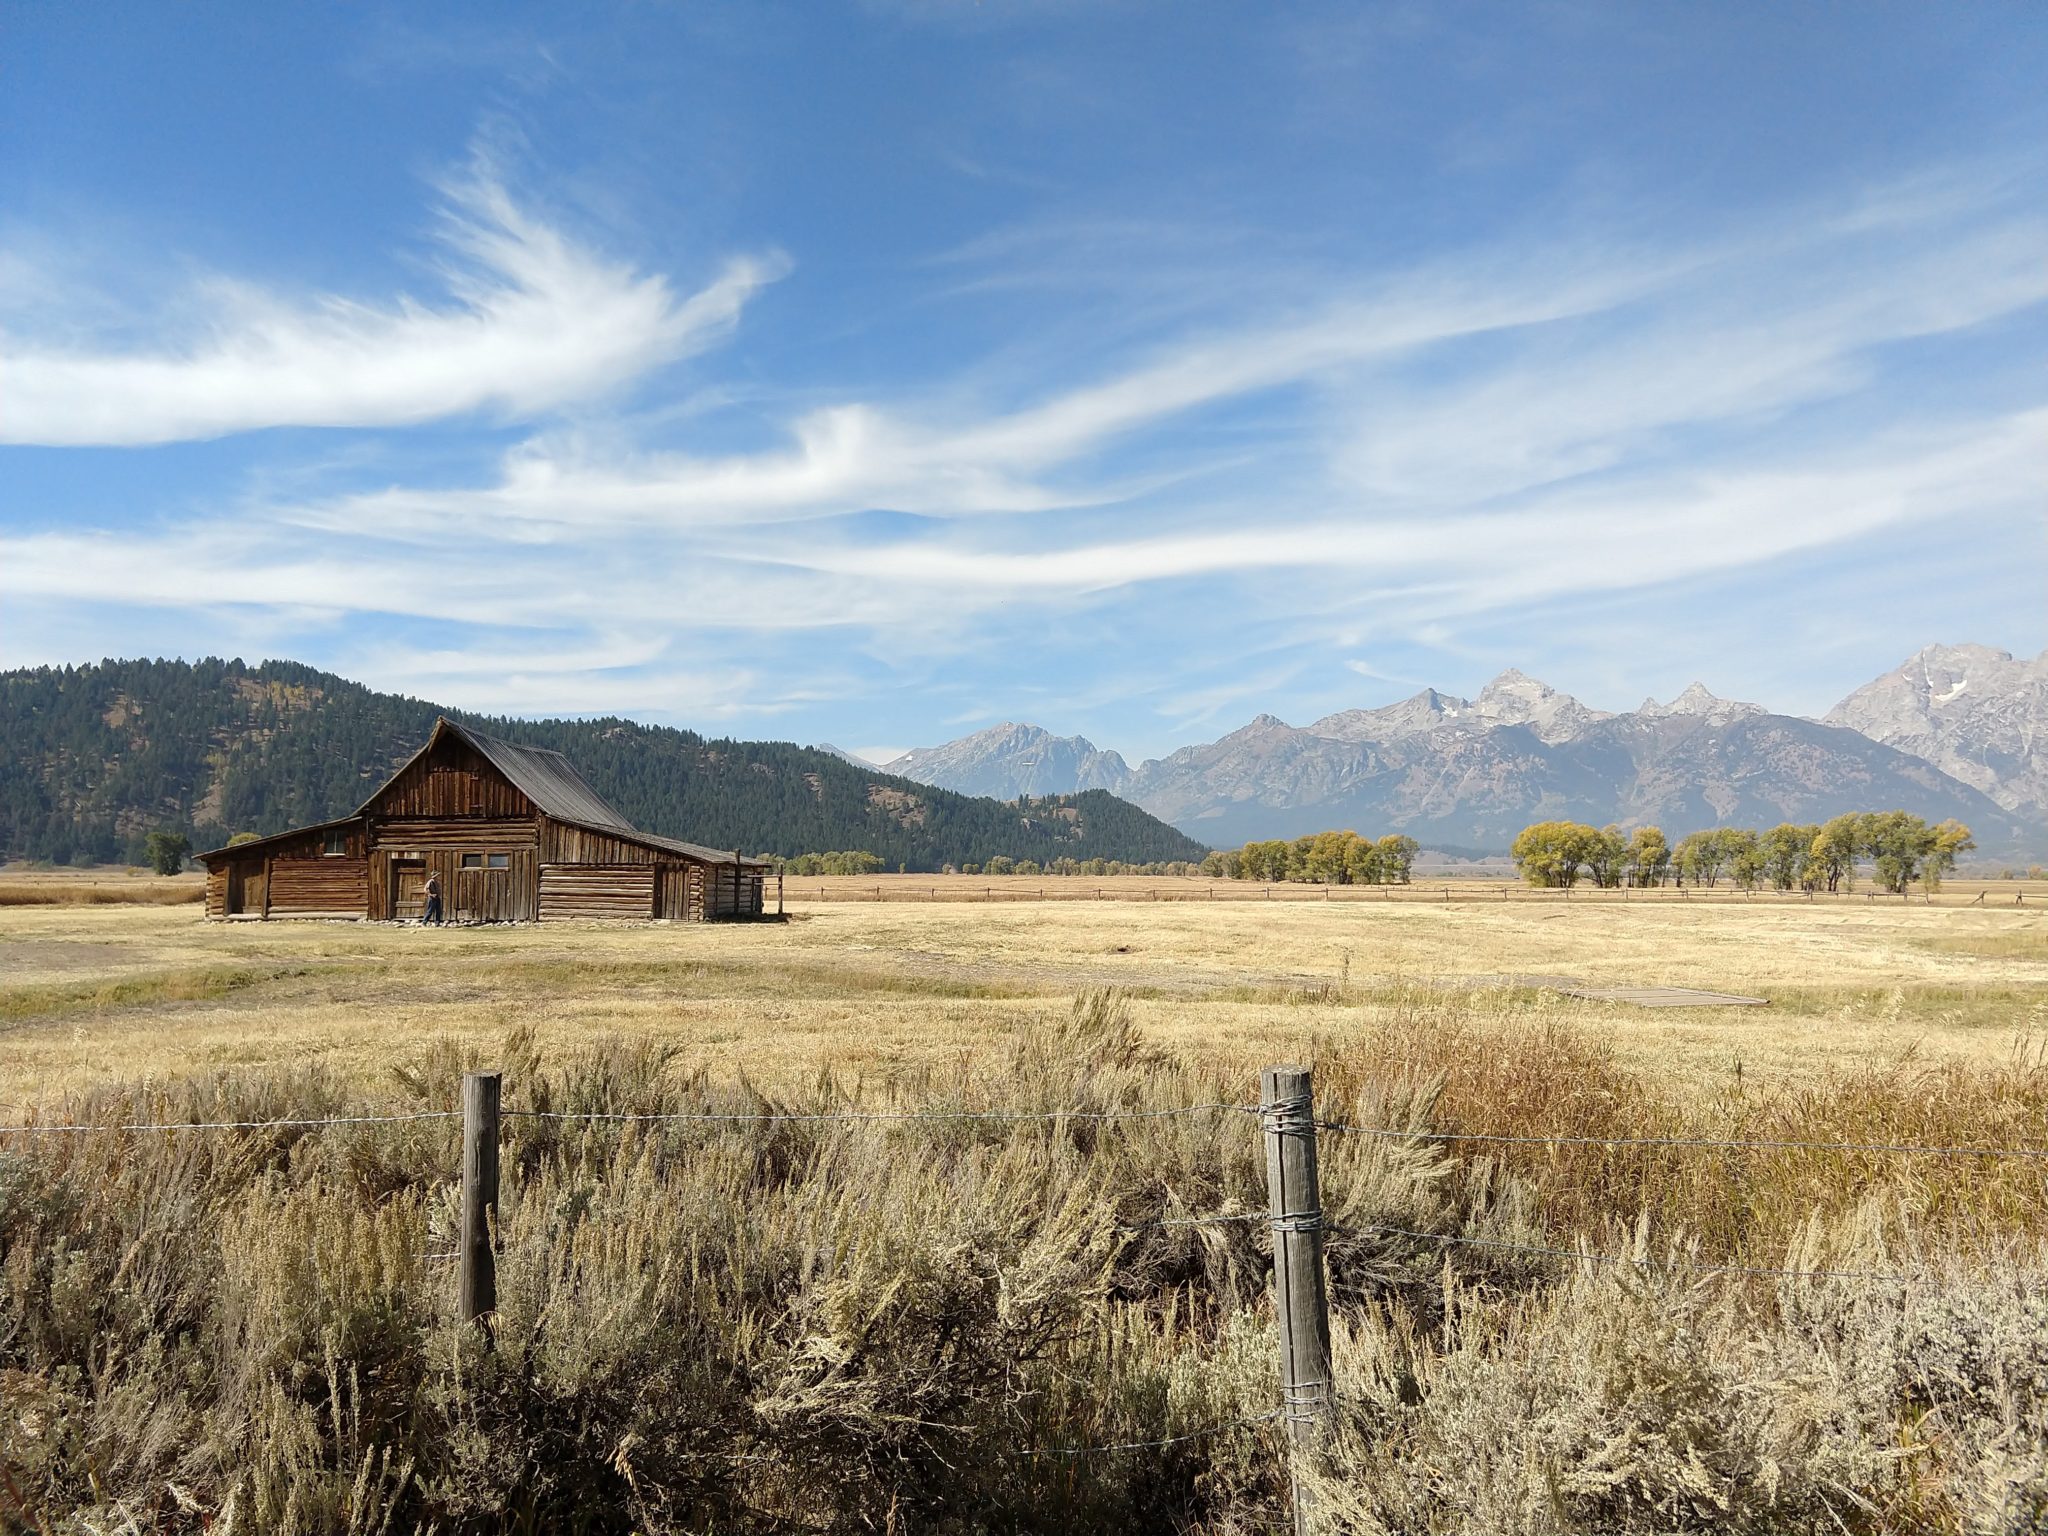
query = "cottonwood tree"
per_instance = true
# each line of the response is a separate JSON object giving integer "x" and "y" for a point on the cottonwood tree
{"x": 1649, "y": 857}
{"x": 1607, "y": 858}
{"x": 1327, "y": 858}
{"x": 1951, "y": 840}
{"x": 851, "y": 862}
{"x": 1363, "y": 864}
{"x": 1833, "y": 854}
{"x": 1702, "y": 858}
{"x": 166, "y": 851}
{"x": 1787, "y": 849}
{"x": 1550, "y": 853}
{"x": 1902, "y": 848}
{"x": 1745, "y": 856}
{"x": 1396, "y": 854}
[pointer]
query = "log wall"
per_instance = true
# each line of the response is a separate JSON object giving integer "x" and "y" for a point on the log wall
{"x": 569, "y": 891}
{"x": 732, "y": 891}
{"x": 679, "y": 892}
{"x": 319, "y": 887}
{"x": 561, "y": 844}
{"x": 477, "y": 834}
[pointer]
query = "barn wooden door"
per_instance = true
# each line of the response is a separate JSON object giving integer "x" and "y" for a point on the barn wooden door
{"x": 483, "y": 895}
{"x": 408, "y": 889}
{"x": 245, "y": 891}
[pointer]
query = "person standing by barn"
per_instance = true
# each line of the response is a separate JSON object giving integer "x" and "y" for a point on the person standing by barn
{"x": 433, "y": 912}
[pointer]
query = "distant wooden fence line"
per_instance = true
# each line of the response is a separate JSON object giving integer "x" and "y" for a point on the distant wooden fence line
{"x": 1009, "y": 888}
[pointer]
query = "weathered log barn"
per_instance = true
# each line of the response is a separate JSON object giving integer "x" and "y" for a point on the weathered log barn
{"x": 514, "y": 833}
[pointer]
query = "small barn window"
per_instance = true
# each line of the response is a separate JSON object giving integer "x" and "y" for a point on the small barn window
{"x": 498, "y": 860}
{"x": 472, "y": 861}
{"x": 336, "y": 845}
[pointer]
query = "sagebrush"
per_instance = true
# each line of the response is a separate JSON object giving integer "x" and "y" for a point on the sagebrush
{"x": 907, "y": 1326}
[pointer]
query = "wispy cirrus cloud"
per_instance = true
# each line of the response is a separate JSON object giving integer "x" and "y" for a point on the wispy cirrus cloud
{"x": 1514, "y": 429}
{"x": 1037, "y": 457}
{"x": 1630, "y": 534}
{"x": 1471, "y": 378}
{"x": 529, "y": 319}
{"x": 1765, "y": 332}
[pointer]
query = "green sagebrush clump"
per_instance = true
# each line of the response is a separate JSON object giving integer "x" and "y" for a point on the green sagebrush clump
{"x": 833, "y": 1325}
{"x": 1614, "y": 1403}
{"x": 903, "y": 1326}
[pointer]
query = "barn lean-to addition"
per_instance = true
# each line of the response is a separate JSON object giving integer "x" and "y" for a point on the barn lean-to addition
{"x": 513, "y": 832}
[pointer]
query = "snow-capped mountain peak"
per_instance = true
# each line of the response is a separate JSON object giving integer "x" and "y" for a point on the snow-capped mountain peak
{"x": 1471, "y": 772}
{"x": 1976, "y": 713}
{"x": 1515, "y": 698}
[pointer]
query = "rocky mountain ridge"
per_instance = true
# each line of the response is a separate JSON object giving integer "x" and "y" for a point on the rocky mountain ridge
{"x": 1977, "y": 714}
{"x": 1472, "y": 772}
{"x": 1013, "y": 760}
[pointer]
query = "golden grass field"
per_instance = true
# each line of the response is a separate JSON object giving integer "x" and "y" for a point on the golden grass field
{"x": 871, "y": 1324}
{"x": 90, "y": 993}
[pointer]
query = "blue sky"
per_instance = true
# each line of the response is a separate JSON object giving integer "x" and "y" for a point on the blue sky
{"x": 877, "y": 373}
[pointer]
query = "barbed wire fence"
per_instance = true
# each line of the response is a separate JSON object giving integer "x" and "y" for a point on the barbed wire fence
{"x": 1295, "y": 1214}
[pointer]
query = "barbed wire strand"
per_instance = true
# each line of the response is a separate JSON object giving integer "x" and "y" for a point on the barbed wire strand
{"x": 763, "y": 1117}
{"x": 1393, "y": 1134}
{"x": 229, "y": 1125}
{"x": 1152, "y": 1445}
{"x": 1390, "y": 1133}
{"x": 1889, "y": 1276}
{"x": 736, "y": 1457}
{"x": 766, "y": 1117}
{"x": 1193, "y": 1221}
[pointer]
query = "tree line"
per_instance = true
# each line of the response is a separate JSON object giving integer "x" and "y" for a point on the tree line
{"x": 1320, "y": 858}
{"x": 95, "y": 758}
{"x": 1900, "y": 849}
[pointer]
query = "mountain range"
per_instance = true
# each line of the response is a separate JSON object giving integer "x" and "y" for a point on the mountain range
{"x": 93, "y": 758}
{"x": 1955, "y": 731}
{"x": 1977, "y": 714}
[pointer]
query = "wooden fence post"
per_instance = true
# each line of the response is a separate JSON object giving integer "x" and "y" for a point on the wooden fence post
{"x": 1301, "y": 1300}
{"x": 479, "y": 1286}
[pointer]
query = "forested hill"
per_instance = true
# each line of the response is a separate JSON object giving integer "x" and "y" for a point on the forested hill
{"x": 93, "y": 758}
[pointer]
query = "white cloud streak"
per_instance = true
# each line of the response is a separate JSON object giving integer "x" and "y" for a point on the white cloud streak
{"x": 1470, "y": 440}
{"x": 1629, "y": 535}
{"x": 530, "y": 320}
{"x": 1641, "y": 534}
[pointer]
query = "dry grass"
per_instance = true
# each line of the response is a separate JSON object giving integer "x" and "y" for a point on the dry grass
{"x": 882, "y": 991}
{"x": 1428, "y": 888}
{"x": 855, "y": 1327}
{"x": 46, "y": 892}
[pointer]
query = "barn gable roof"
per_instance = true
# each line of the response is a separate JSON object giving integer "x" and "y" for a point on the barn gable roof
{"x": 545, "y": 777}
{"x": 552, "y": 783}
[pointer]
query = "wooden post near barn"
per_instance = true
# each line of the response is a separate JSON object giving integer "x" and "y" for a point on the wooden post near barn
{"x": 478, "y": 1295}
{"x": 1301, "y": 1301}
